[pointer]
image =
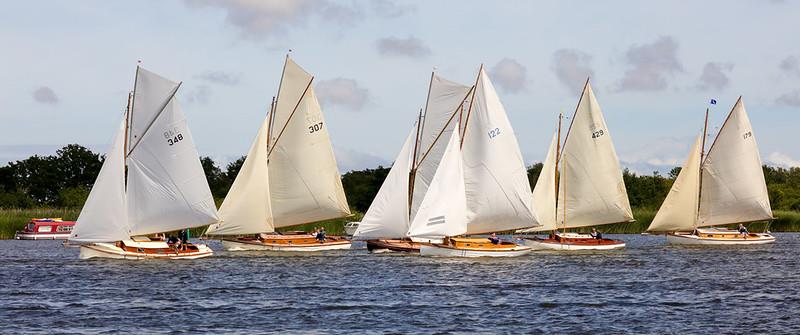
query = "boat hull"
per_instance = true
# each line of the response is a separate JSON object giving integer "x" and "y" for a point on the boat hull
{"x": 378, "y": 246}
{"x": 726, "y": 238}
{"x": 576, "y": 242}
{"x": 473, "y": 247}
{"x": 292, "y": 243}
{"x": 38, "y": 236}
{"x": 111, "y": 250}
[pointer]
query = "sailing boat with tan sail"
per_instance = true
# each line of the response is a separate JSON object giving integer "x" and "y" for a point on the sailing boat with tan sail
{"x": 289, "y": 177}
{"x": 151, "y": 182}
{"x": 580, "y": 184}
{"x": 724, "y": 187}
{"x": 386, "y": 223}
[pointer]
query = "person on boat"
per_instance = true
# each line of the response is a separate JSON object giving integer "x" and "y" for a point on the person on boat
{"x": 494, "y": 239}
{"x": 596, "y": 234}
{"x": 743, "y": 230}
{"x": 172, "y": 240}
{"x": 321, "y": 235}
{"x": 184, "y": 236}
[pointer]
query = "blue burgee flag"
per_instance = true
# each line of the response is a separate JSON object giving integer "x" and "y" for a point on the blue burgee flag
{"x": 713, "y": 102}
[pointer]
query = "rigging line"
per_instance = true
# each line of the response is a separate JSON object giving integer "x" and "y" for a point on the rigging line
{"x": 574, "y": 114}
{"x": 274, "y": 144}
{"x": 435, "y": 140}
{"x": 160, "y": 111}
{"x": 469, "y": 109}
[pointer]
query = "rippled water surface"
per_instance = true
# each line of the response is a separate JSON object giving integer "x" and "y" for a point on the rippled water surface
{"x": 650, "y": 287}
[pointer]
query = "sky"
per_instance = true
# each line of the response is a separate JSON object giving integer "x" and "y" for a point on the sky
{"x": 654, "y": 65}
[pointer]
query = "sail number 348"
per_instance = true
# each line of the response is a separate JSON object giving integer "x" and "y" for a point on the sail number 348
{"x": 173, "y": 136}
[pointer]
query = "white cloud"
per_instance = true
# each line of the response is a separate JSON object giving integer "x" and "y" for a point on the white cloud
{"x": 390, "y": 9}
{"x": 572, "y": 67}
{"x": 403, "y": 47}
{"x": 45, "y": 95}
{"x": 349, "y": 160}
{"x": 714, "y": 76}
{"x": 789, "y": 99}
{"x": 510, "y": 75}
{"x": 199, "y": 94}
{"x": 791, "y": 66}
{"x": 782, "y": 160}
{"x": 221, "y": 78}
{"x": 342, "y": 91}
{"x": 650, "y": 64}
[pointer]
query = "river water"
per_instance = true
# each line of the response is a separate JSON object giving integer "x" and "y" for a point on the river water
{"x": 648, "y": 288}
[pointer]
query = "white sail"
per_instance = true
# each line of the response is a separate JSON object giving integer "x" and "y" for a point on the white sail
{"x": 498, "y": 192}
{"x": 445, "y": 99}
{"x": 246, "y": 209}
{"x": 305, "y": 185}
{"x": 167, "y": 188}
{"x": 442, "y": 210}
{"x": 734, "y": 189}
{"x": 151, "y": 94}
{"x": 679, "y": 210}
{"x": 544, "y": 193}
{"x": 387, "y": 216}
{"x": 590, "y": 172}
{"x": 103, "y": 217}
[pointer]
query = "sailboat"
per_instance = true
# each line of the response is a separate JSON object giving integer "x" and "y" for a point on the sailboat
{"x": 479, "y": 187}
{"x": 725, "y": 187}
{"x": 289, "y": 177}
{"x": 386, "y": 223}
{"x": 580, "y": 184}
{"x": 151, "y": 182}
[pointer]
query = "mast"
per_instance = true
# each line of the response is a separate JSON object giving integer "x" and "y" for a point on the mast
{"x": 270, "y": 118}
{"x": 127, "y": 120}
{"x": 131, "y": 103}
{"x": 558, "y": 157}
{"x": 702, "y": 154}
{"x": 413, "y": 172}
{"x": 458, "y": 110}
{"x": 469, "y": 109}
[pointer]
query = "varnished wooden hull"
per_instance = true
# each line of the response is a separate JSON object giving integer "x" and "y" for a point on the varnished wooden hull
{"x": 377, "y": 246}
{"x": 719, "y": 239}
{"x": 113, "y": 251}
{"x": 473, "y": 247}
{"x": 301, "y": 243}
{"x": 572, "y": 244}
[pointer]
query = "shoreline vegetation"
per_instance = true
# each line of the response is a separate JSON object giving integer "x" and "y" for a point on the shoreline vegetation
{"x": 57, "y": 186}
{"x": 12, "y": 220}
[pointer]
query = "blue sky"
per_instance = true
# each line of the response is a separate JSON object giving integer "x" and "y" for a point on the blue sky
{"x": 68, "y": 66}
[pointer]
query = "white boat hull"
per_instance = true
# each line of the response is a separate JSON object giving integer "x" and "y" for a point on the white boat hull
{"x": 110, "y": 250}
{"x": 691, "y": 239}
{"x": 440, "y": 251}
{"x": 539, "y": 245}
{"x": 257, "y": 246}
{"x": 35, "y": 236}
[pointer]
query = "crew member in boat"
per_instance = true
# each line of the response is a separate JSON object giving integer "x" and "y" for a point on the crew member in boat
{"x": 184, "y": 236}
{"x": 743, "y": 230}
{"x": 494, "y": 239}
{"x": 596, "y": 234}
{"x": 321, "y": 235}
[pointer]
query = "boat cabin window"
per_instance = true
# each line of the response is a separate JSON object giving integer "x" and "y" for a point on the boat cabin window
{"x": 64, "y": 228}
{"x": 30, "y": 226}
{"x": 45, "y": 229}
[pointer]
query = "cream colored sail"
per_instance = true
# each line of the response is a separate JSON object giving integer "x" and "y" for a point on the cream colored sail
{"x": 544, "y": 193}
{"x": 167, "y": 188}
{"x": 679, "y": 210}
{"x": 445, "y": 99}
{"x": 387, "y": 216}
{"x": 442, "y": 210}
{"x": 305, "y": 185}
{"x": 734, "y": 189}
{"x": 590, "y": 173}
{"x": 103, "y": 217}
{"x": 496, "y": 181}
{"x": 246, "y": 209}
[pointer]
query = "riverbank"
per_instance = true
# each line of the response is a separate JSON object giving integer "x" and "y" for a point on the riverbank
{"x": 12, "y": 220}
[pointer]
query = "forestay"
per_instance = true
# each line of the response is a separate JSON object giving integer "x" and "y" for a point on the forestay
{"x": 246, "y": 209}
{"x": 590, "y": 172}
{"x": 441, "y": 212}
{"x": 734, "y": 189}
{"x": 496, "y": 181}
{"x": 103, "y": 217}
{"x": 679, "y": 210}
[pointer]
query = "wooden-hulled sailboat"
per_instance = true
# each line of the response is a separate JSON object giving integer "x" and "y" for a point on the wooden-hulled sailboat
{"x": 725, "y": 187}
{"x": 166, "y": 187}
{"x": 479, "y": 187}
{"x": 386, "y": 223}
{"x": 289, "y": 177}
{"x": 580, "y": 184}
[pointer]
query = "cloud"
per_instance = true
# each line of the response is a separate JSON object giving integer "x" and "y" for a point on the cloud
{"x": 45, "y": 95}
{"x": 342, "y": 91}
{"x": 660, "y": 154}
{"x": 403, "y": 47}
{"x": 714, "y": 76}
{"x": 349, "y": 160}
{"x": 510, "y": 75}
{"x": 259, "y": 19}
{"x": 390, "y": 9}
{"x": 789, "y": 99}
{"x": 791, "y": 66}
{"x": 221, "y": 78}
{"x": 572, "y": 68}
{"x": 782, "y": 160}
{"x": 200, "y": 94}
{"x": 650, "y": 64}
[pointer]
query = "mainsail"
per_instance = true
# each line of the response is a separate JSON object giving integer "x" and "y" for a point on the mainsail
{"x": 590, "y": 175}
{"x": 496, "y": 181}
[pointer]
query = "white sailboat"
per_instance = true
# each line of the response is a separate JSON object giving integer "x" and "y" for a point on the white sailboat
{"x": 484, "y": 156}
{"x": 386, "y": 223}
{"x": 165, "y": 189}
{"x": 580, "y": 184}
{"x": 725, "y": 187}
{"x": 289, "y": 177}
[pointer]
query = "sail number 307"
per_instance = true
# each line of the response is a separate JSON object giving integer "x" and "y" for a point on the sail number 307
{"x": 314, "y": 128}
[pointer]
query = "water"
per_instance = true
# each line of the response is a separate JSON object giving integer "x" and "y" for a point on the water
{"x": 650, "y": 287}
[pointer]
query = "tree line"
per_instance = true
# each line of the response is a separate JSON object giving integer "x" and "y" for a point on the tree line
{"x": 64, "y": 180}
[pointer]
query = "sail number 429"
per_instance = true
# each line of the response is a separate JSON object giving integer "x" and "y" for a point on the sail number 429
{"x": 596, "y": 134}
{"x": 314, "y": 128}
